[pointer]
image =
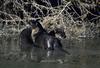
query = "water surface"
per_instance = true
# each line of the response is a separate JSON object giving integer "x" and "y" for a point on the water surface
{"x": 84, "y": 54}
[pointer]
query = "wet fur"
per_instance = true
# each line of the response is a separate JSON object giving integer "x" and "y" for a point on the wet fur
{"x": 47, "y": 40}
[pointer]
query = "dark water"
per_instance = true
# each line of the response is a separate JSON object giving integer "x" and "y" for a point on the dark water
{"x": 84, "y": 54}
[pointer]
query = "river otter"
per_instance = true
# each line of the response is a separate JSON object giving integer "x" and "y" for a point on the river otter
{"x": 37, "y": 36}
{"x": 26, "y": 42}
{"x": 46, "y": 40}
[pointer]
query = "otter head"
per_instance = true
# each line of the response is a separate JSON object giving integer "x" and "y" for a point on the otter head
{"x": 60, "y": 33}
